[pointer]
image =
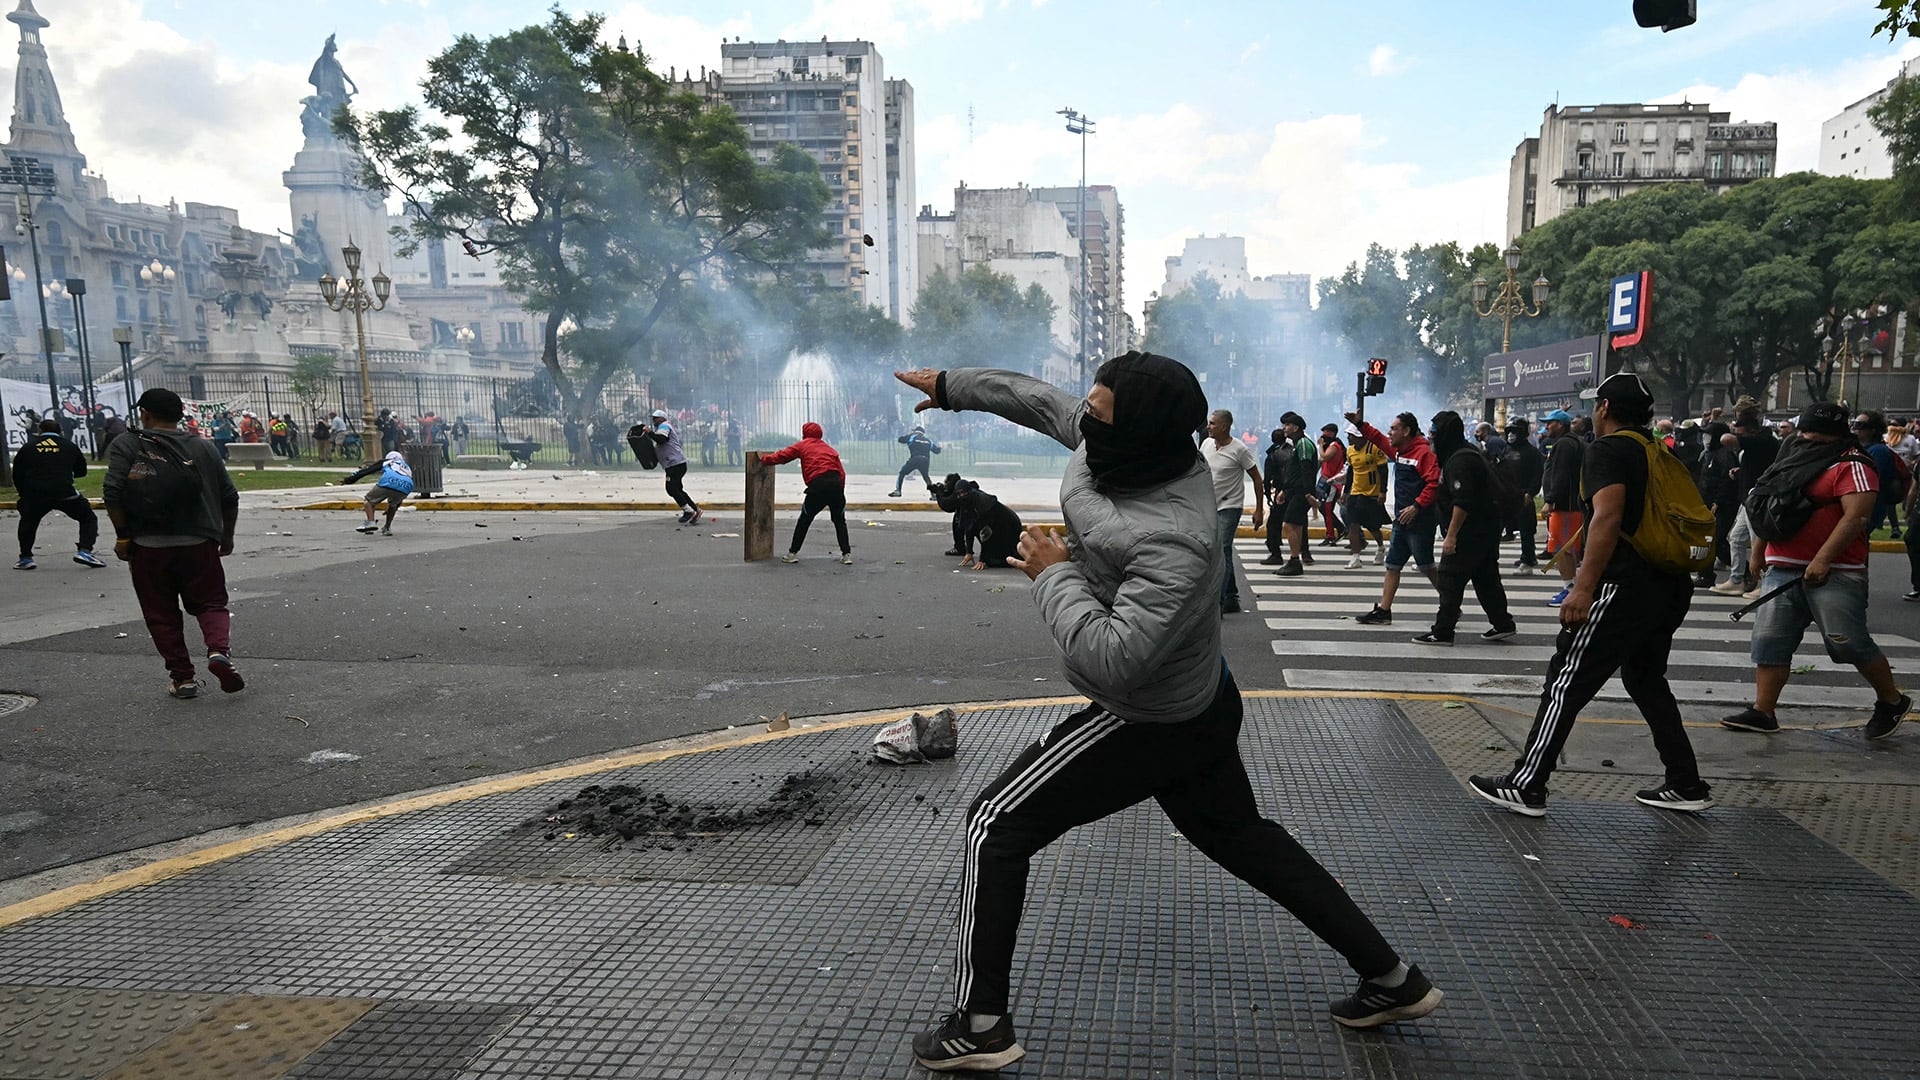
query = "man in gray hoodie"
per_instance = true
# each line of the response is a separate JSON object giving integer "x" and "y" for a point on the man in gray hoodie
{"x": 1131, "y": 598}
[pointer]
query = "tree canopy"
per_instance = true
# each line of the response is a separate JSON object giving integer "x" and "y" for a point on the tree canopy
{"x": 608, "y": 197}
{"x": 981, "y": 318}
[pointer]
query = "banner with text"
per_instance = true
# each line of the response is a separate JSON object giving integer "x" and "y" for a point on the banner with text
{"x": 27, "y": 403}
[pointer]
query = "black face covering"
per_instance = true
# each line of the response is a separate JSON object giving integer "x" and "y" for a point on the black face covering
{"x": 1157, "y": 404}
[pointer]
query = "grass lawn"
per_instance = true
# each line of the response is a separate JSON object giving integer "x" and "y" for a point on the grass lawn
{"x": 244, "y": 478}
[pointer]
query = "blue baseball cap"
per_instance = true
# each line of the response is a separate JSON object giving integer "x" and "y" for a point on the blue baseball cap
{"x": 1561, "y": 415}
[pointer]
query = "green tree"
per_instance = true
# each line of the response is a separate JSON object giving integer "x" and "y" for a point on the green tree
{"x": 607, "y": 197}
{"x": 311, "y": 379}
{"x": 1897, "y": 117}
{"x": 981, "y": 318}
{"x": 1902, "y": 16}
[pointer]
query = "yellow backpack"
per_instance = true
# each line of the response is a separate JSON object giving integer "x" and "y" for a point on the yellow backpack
{"x": 1676, "y": 529}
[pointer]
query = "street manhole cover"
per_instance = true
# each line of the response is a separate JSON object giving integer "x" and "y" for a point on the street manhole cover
{"x": 12, "y": 703}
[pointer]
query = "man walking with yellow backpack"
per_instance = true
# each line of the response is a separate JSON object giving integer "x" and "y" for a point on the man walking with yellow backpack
{"x": 1647, "y": 534}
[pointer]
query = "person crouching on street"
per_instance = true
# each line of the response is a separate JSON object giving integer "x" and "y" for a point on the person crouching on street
{"x": 396, "y": 483}
{"x": 826, "y": 481}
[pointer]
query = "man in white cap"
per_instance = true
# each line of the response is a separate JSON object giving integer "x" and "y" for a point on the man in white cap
{"x": 673, "y": 458}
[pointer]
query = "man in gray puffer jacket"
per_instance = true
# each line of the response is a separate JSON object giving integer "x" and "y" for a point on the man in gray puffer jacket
{"x": 1131, "y": 597}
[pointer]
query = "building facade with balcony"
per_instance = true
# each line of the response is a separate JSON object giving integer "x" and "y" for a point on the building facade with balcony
{"x": 1589, "y": 153}
{"x": 833, "y": 100}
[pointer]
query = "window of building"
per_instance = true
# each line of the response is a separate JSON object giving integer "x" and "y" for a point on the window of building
{"x": 853, "y": 200}
{"x": 1682, "y": 162}
{"x": 55, "y": 234}
{"x": 853, "y": 65}
{"x": 1620, "y": 131}
{"x": 1646, "y": 163}
{"x": 1619, "y": 163}
{"x": 512, "y": 333}
{"x": 1580, "y": 196}
{"x": 1586, "y": 133}
{"x": 146, "y": 310}
{"x": 1762, "y": 165}
{"x": 120, "y": 308}
{"x": 117, "y": 273}
{"x": 853, "y": 224}
{"x": 852, "y": 101}
{"x": 1715, "y": 166}
{"x": 1739, "y": 164}
{"x": 1685, "y": 131}
{"x": 1586, "y": 163}
{"x": 59, "y": 267}
{"x": 853, "y": 176}
{"x": 113, "y": 233}
{"x": 853, "y": 150}
{"x": 1650, "y": 132}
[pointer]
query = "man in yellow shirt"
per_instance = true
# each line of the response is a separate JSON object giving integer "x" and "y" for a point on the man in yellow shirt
{"x": 1366, "y": 497}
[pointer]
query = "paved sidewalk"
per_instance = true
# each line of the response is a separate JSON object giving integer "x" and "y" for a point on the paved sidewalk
{"x": 464, "y": 936}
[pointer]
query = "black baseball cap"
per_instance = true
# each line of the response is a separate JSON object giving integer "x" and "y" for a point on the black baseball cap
{"x": 163, "y": 404}
{"x": 1623, "y": 387}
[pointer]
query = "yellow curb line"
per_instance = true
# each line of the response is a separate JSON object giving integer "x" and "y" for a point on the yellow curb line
{"x": 164, "y": 869}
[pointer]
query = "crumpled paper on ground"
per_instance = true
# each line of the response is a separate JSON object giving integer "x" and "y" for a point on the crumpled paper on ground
{"x": 918, "y": 739}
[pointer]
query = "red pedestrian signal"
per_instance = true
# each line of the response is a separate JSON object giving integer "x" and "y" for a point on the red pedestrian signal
{"x": 1376, "y": 377}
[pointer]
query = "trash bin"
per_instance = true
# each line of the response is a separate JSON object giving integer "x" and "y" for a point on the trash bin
{"x": 426, "y": 461}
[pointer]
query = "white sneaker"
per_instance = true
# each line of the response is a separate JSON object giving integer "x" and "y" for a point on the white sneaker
{"x": 1379, "y": 554}
{"x": 1355, "y": 563}
{"x": 846, "y": 558}
{"x": 1751, "y": 594}
{"x": 369, "y": 527}
{"x": 789, "y": 557}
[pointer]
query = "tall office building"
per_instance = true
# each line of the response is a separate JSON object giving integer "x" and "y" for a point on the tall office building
{"x": 1104, "y": 234}
{"x": 1849, "y": 143}
{"x": 832, "y": 99}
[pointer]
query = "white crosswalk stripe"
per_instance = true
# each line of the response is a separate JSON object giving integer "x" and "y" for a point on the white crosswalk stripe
{"x": 1311, "y": 627}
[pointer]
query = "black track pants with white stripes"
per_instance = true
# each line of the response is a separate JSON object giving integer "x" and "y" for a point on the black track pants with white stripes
{"x": 1630, "y": 629}
{"x": 1094, "y": 764}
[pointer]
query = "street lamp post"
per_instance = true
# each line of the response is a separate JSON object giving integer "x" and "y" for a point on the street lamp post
{"x": 1509, "y": 303}
{"x": 1844, "y": 352}
{"x": 32, "y": 176}
{"x": 1078, "y": 124}
{"x": 159, "y": 273}
{"x": 123, "y": 336}
{"x": 351, "y": 295}
{"x": 76, "y": 288}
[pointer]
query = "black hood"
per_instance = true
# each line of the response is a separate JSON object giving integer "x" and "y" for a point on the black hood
{"x": 1157, "y": 406}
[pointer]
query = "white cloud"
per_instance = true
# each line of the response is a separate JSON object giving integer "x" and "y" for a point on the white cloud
{"x": 1386, "y": 60}
{"x": 1255, "y": 48}
{"x": 1799, "y": 101}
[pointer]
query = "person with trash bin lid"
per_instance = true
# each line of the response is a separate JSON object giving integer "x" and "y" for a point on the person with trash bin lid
{"x": 1131, "y": 596}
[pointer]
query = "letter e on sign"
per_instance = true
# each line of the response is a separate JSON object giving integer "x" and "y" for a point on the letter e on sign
{"x": 1628, "y": 299}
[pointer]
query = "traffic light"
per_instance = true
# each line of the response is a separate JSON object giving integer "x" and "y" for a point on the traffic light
{"x": 1376, "y": 377}
{"x": 1665, "y": 14}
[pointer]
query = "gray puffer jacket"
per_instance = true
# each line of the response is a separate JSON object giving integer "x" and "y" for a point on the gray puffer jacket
{"x": 1136, "y": 612}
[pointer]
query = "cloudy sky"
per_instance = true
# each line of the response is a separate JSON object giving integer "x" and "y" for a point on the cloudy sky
{"x": 1309, "y": 128}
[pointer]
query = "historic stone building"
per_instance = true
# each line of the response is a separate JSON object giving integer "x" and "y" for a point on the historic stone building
{"x": 1588, "y": 153}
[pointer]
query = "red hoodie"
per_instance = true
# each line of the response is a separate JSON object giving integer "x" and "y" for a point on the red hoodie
{"x": 816, "y": 457}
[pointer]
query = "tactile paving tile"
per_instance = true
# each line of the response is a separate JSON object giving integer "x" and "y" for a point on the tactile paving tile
{"x": 245, "y": 1038}
{"x": 57, "y": 1031}
{"x": 1746, "y": 945}
{"x": 408, "y": 1040}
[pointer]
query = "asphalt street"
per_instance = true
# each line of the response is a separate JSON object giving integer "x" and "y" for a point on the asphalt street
{"x": 475, "y": 644}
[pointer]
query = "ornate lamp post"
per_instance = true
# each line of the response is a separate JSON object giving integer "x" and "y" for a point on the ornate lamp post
{"x": 162, "y": 275}
{"x": 354, "y": 298}
{"x": 1080, "y": 124}
{"x": 1844, "y": 352}
{"x": 1510, "y": 303}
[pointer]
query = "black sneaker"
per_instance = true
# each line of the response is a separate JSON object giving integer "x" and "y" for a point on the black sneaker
{"x": 1501, "y": 791}
{"x": 1379, "y": 616}
{"x": 954, "y": 1045}
{"x": 1431, "y": 638}
{"x": 1668, "y": 797}
{"x": 1752, "y": 720}
{"x": 1229, "y": 607}
{"x": 685, "y": 515}
{"x": 694, "y": 516}
{"x": 1292, "y": 569}
{"x": 956, "y": 551}
{"x": 1912, "y": 597}
{"x": 1276, "y": 560}
{"x": 1497, "y": 634}
{"x": 1371, "y": 1004}
{"x": 1887, "y": 716}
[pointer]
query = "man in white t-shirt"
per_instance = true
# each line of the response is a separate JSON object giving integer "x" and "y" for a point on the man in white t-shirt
{"x": 1231, "y": 462}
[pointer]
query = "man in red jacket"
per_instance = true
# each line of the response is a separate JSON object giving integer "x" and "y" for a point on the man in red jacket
{"x": 1416, "y": 488}
{"x": 826, "y": 483}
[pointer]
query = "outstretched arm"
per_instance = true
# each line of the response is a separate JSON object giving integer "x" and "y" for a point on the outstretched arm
{"x": 1025, "y": 400}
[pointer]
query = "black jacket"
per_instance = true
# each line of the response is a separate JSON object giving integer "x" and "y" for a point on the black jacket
{"x": 1560, "y": 480}
{"x": 1527, "y": 463}
{"x": 47, "y": 467}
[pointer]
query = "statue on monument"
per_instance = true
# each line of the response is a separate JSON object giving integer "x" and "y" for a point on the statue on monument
{"x": 333, "y": 90}
{"x": 309, "y": 261}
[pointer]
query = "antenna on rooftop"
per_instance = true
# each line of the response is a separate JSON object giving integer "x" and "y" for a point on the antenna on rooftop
{"x": 969, "y": 125}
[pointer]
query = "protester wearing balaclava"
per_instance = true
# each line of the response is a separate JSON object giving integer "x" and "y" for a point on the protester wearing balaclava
{"x": 1470, "y": 553}
{"x": 1130, "y": 597}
